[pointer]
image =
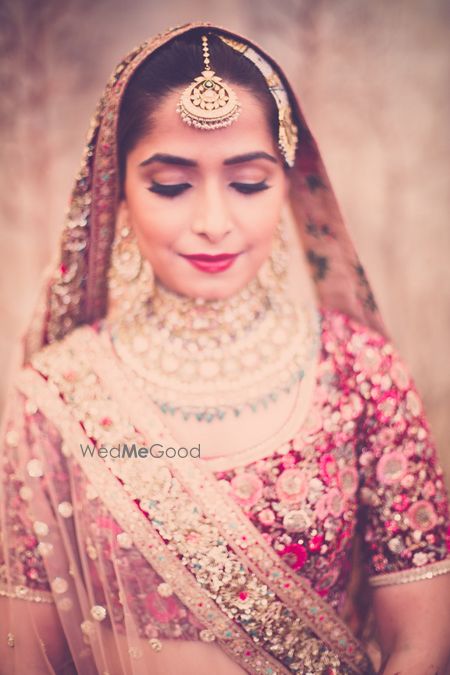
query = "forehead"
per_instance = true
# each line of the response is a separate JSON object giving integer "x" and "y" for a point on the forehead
{"x": 169, "y": 134}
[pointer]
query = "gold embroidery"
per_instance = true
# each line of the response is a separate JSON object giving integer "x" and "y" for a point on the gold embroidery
{"x": 45, "y": 548}
{"x": 207, "y": 636}
{"x": 26, "y": 493}
{"x": 98, "y": 612}
{"x": 165, "y": 590}
{"x": 155, "y": 644}
{"x": 65, "y": 509}
{"x": 59, "y": 585}
{"x": 40, "y": 528}
{"x": 34, "y": 468}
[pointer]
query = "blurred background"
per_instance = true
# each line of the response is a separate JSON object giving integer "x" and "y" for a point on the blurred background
{"x": 372, "y": 78}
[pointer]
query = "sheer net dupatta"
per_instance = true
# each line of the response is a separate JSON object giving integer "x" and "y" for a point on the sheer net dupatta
{"x": 77, "y": 593}
{"x": 40, "y": 579}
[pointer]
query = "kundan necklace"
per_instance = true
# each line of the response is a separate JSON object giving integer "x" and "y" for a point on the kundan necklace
{"x": 210, "y": 358}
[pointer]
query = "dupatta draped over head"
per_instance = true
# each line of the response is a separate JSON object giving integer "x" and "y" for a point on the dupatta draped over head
{"x": 77, "y": 290}
{"x": 128, "y": 559}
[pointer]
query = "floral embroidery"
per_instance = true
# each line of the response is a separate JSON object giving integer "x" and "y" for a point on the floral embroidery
{"x": 291, "y": 486}
{"x": 391, "y": 467}
{"x": 328, "y": 468}
{"x": 348, "y": 481}
{"x": 247, "y": 488}
{"x": 422, "y": 516}
{"x": 295, "y": 555}
{"x": 364, "y": 452}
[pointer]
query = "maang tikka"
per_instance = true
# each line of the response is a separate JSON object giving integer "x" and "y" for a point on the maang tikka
{"x": 208, "y": 102}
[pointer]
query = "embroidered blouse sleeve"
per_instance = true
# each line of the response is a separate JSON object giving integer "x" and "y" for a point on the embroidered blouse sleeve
{"x": 404, "y": 502}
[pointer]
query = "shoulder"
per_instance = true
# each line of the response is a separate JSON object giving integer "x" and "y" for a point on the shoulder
{"x": 340, "y": 327}
{"x": 369, "y": 354}
{"x": 61, "y": 374}
{"x": 341, "y": 331}
{"x": 70, "y": 353}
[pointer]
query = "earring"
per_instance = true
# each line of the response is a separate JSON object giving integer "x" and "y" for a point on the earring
{"x": 131, "y": 280}
{"x": 273, "y": 272}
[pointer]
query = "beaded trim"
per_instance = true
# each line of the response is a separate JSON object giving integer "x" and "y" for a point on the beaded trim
{"x": 406, "y": 576}
{"x": 24, "y": 593}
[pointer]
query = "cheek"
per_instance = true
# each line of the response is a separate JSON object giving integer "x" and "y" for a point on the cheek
{"x": 260, "y": 217}
{"x": 156, "y": 221}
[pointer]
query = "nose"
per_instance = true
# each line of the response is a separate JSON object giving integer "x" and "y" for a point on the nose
{"x": 212, "y": 217}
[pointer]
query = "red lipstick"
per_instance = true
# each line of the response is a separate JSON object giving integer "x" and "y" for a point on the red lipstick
{"x": 212, "y": 263}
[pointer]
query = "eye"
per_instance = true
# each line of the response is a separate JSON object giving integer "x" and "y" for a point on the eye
{"x": 250, "y": 188}
{"x": 169, "y": 190}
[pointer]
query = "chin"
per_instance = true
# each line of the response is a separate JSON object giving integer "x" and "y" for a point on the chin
{"x": 212, "y": 288}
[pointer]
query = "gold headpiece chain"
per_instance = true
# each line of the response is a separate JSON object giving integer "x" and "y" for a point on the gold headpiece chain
{"x": 210, "y": 103}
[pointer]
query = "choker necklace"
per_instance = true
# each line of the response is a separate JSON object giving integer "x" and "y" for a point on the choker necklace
{"x": 207, "y": 359}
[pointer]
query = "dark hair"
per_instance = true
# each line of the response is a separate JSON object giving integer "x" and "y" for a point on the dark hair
{"x": 176, "y": 64}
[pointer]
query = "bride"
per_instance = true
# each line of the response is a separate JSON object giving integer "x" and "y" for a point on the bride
{"x": 215, "y": 459}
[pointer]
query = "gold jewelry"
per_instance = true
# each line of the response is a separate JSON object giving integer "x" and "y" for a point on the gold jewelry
{"x": 208, "y": 384}
{"x": 291, "y": 424}
{"x": 272, "y": 273}
{"x": 208, "y": 102}
{"x": 287, "y": 129}
{"x": 131, "y": 281}
{"x": 207, "y": 358}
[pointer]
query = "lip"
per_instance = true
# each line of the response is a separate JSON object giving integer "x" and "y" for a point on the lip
{"x": 205, "y": 257}
{"x": 212, "y": 264}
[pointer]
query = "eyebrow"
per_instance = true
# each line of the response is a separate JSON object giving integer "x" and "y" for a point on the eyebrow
{"x": 183, "y": 161}
{"x": 168, "y": 159}
{"x": 249, "y": 157}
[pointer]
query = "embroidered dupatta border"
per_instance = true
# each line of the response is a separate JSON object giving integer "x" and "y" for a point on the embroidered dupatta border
{"x": 231, "y": 638}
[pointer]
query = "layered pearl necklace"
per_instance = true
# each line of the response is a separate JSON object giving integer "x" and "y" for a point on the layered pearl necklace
{"x": 210, "y": 358}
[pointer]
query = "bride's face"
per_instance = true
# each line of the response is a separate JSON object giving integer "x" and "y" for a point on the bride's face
{"x": 191, "y": 192}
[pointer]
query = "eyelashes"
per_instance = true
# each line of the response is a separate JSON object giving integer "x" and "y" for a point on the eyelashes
{"x": 179, "y": 188}
{"x": 250, "y": 188}
{"x": 169, "y": 190}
